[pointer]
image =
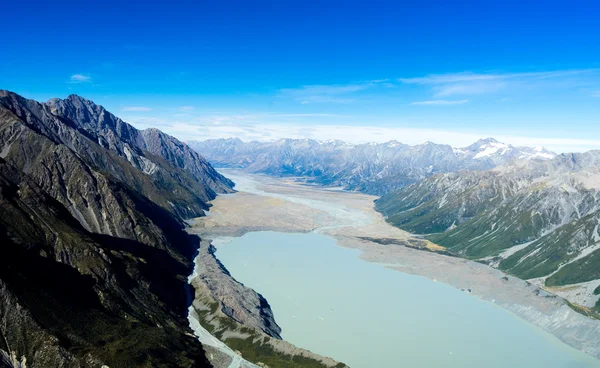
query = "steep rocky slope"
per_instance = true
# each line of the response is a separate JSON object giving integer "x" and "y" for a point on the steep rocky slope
{"x": 94, "y": 257}
{"x": 242, "y": 319}
{"x": 72, "y": 298}
{"x": 539, "y": 221}
{"x": 371, "y": 168}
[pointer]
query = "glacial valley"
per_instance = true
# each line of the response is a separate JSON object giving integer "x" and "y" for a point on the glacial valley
{"x": 265, "y": 204}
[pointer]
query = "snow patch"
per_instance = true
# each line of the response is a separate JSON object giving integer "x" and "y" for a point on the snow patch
{"x": 5, "y": 150}
{"x": 492, "y": 148}
{"x": 148, "y": 167}
{"x": 512, "y": 250}
{"x": 544, "y": 155}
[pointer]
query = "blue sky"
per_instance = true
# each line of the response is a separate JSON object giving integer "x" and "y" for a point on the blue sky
{"x": 523, "y": 72}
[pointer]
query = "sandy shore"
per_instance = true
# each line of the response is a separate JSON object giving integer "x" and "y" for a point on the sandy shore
{"x": 272, "y": 204}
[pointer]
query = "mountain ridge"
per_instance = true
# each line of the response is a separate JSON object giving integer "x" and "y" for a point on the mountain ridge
{"x": 374, "y": 168}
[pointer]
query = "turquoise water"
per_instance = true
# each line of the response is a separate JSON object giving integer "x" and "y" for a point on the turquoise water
{"x": 328, "y": 301}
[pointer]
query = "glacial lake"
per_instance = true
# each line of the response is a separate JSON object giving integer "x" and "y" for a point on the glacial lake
{"x": 329, "y": 301}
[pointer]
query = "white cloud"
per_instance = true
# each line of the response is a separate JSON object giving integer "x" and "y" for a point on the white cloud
{"x": 337, "y": 93}
{"x": 311, "y": 115}
{"x": 448, "y": 78}
{"x": 187, "y": 108}
{"x": 324, "y": 89}
{"x": 244, "y": 120}
{"x": 324, "y": 99}
{"x": 474, "y": 88}
{"x": 468, "y": 83}
{"x": 322, "y": 93}
{"x": 445, "y": 85}
{"x": 80, "y": 78}
{"x": 473, "y": 77}
{"x": 135, "y": 108}
{"x": 440, "y": 102}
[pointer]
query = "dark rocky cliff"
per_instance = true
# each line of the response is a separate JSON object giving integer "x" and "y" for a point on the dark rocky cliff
{"x": 94, "y": 258}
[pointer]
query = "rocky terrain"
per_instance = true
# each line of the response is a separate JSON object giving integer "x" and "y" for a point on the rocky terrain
{"x": 374, "y": 168}
{"x": 538, "y": 221}
{"x": 94, "y": 257}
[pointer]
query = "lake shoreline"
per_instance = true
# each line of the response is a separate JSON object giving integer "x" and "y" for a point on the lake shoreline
{"x": 305, "y": 270}
{"x": 246, "y": 211}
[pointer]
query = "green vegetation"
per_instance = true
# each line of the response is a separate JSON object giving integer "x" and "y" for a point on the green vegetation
{"x": 582, "y": 270}
{"x": 255, "y": 350}
{"x": 216, "y": 325}
{"x": 412, "y": 243}
{"x": 588, "y": 312}
{"x": 547, "y": 253}
{"x": 597, "y": 291}
{"x": 255, "y": 347}
{"x": 491, "y": 232}
{"x": 484, "y": 224}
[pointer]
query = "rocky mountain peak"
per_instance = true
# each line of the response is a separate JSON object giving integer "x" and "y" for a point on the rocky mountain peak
{"x": 91, "y": 117}
{"x": 487, "y": 140}
{"x": 483, "y": 143}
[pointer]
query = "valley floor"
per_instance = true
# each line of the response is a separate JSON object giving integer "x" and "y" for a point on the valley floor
{"x": 273, "y": 204}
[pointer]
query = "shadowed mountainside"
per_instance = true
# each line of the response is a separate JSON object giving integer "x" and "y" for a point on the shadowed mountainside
{"x": 94, "y": 257}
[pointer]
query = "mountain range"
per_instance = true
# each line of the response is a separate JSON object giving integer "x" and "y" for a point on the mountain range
{"x": 539, "y": 221}
{"x": 374, "y": 168}
{"x": 94, "y": 257}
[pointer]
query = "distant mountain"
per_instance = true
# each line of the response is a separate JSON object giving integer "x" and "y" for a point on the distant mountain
{"x": 373, "y": 167}
{"x": 537, "y": 220}
{"x": 94, "y": 258}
